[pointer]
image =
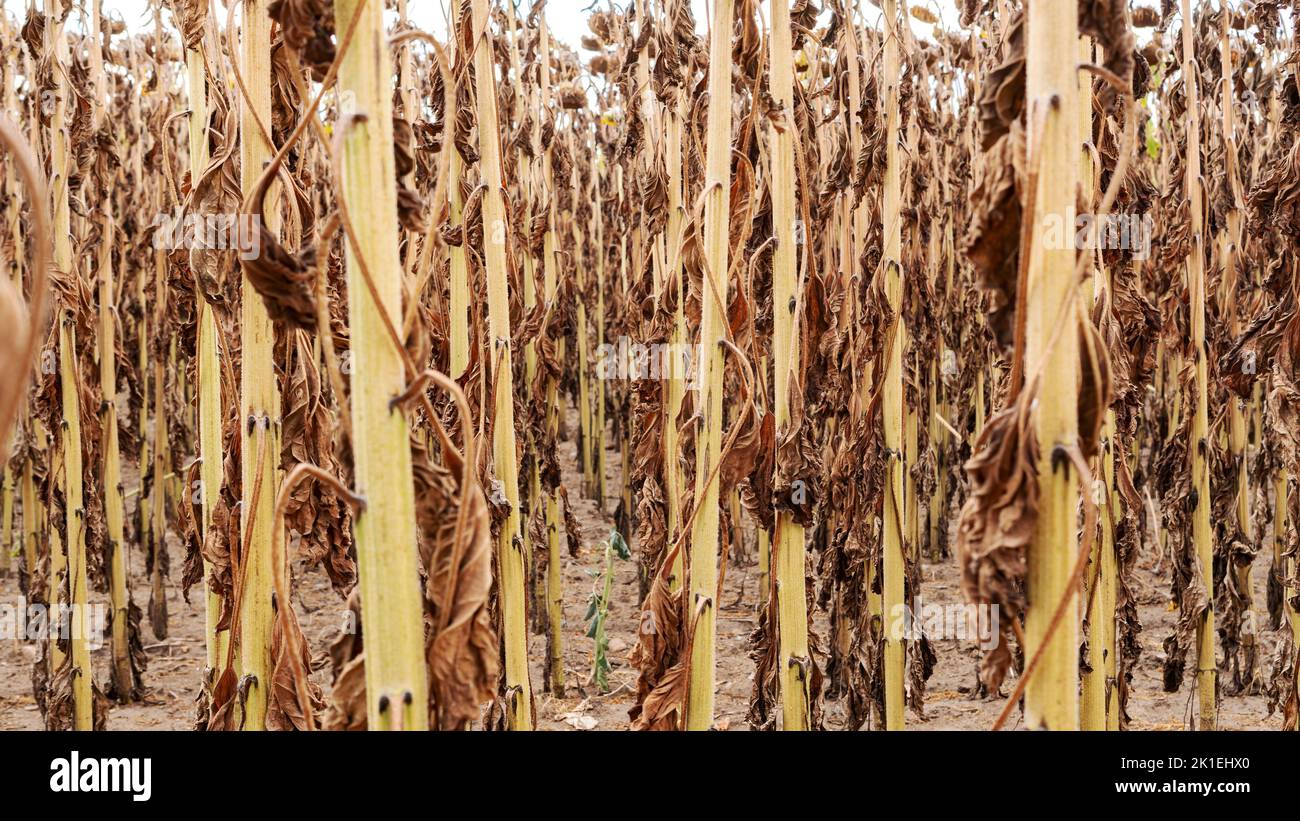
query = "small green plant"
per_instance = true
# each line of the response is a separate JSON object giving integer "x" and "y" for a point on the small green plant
{"x": 1153, "y": 142}
{"x": 598, "y": 608}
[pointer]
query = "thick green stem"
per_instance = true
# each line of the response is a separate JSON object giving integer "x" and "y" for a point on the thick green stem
{"x": 209, "y": 368}
{"x": 504, "y": 456}
{"x": 1202, "y": 536}
{"x": 391, "y": 597}
{"x": 703, "y": 570}
{"x": 893, "y": 406}
{"x": 259, "y": 412}
{"x": 1052, "y": 694}
{"x": 788, "y": 544}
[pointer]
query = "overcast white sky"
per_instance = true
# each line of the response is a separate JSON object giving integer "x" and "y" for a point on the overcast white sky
{"x": 566, "y": 18}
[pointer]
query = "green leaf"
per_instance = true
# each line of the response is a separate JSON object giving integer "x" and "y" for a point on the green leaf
{"x": 1153, "y": 144}
{"x": 619, "y": 545}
